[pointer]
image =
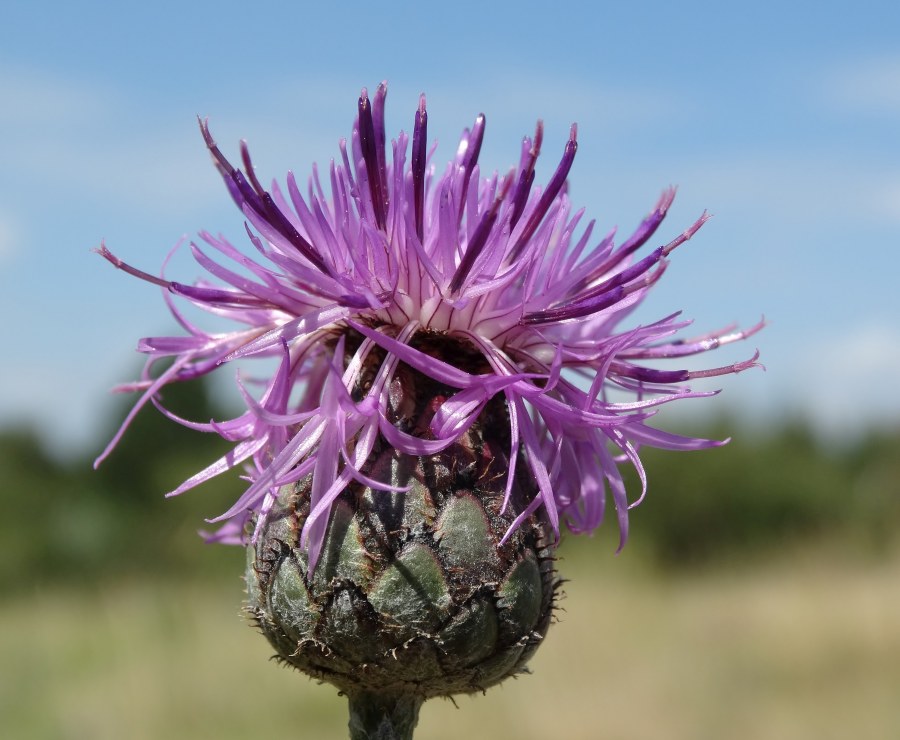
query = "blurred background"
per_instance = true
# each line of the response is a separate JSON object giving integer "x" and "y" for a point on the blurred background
{"x": 759, "y": 596}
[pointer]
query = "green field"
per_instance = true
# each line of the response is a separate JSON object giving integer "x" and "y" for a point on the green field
{"x": 798, "y": 646}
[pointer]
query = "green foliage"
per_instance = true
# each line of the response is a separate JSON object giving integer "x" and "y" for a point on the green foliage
{"x": 66, "y": 521}
{"x": 760, "y": 491}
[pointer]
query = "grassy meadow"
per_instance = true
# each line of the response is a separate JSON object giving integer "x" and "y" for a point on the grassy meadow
{"x": 789, "y": 647}
{"x": 758, "y": 599}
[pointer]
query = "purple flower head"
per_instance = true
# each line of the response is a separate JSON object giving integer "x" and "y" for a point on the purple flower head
{"x": 402, "y": 266}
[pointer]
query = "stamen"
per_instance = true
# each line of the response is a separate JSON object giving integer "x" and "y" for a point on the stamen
{"x": 479, "y": 238}
{"x": 526, "y": 176}
{"x": 686, "y": 234}
{"x": 621, "y": 278}
{"x": 630, "y": 273}
{"x": 125, "y": 267}
{"x": 549, "y": 194}
{"x": 470, "y": 158}
{"x": 378, "y": 128}
{"x": 736, "y": 368}
{"x": 250, "y": 170}
{"x": 587, "y": 306}
{"x": 652, "y": 375}
{"x": 222, "y": 164}
{"x": 641, "y": 235}
{"x": 369, "y": 148}
{"x": 258, "y": 199}
{"x": 419, "y": 157}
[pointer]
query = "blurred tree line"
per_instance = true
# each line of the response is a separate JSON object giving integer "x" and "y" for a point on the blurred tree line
{"x": 65, "y": 522}
{"x": 768, "y": 488}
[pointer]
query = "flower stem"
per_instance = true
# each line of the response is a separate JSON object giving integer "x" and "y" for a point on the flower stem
{"x": 377, "y": 716}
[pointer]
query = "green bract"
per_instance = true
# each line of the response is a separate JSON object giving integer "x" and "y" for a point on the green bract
{"x": 413, "y": 593}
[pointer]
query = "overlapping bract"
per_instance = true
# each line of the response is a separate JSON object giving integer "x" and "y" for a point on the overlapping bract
{"x": 397, "y": 250}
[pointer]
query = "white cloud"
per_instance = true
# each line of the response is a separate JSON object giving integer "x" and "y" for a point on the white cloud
{"x": 9, "y": 237}
{"x": 866, "y": 85}
{"x": 105, "y": 145}
{"x": 846, "y": 381}
{"x": 71, "y": 133}
{"x": 886, "y": 200}
{"x": 788, "y": 188}
{"x": 31, "y": 99}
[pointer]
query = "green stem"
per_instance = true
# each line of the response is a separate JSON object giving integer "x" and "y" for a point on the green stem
{"x": 375, "y": 716}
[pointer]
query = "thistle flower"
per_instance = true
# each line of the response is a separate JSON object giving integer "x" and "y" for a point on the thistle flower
{"x": 446, "y": 346}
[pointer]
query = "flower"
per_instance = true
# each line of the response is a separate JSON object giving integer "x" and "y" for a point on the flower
{"x": 487, "y": 285}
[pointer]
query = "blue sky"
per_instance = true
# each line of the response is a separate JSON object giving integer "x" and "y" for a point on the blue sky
{"x": 783, "y": 120}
